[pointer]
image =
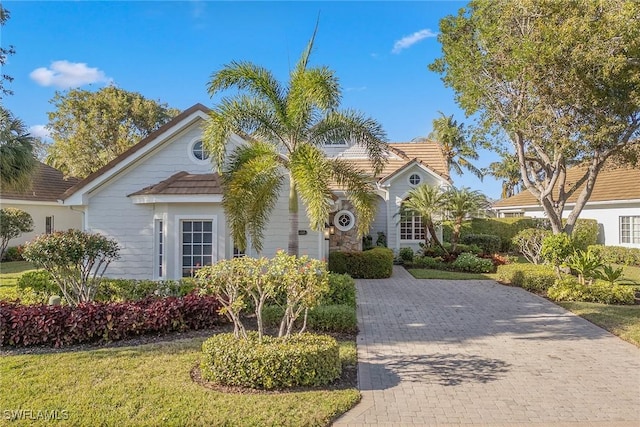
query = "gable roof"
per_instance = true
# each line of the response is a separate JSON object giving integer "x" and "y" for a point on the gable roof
{"x": 613, "y": 184}
{"x": 184, "y": 183}
{"x": 426, "y": 152}
{"x": 47, "y": 184}
{"x": 135, "y": 148}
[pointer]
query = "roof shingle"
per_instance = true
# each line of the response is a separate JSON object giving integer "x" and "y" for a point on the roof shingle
{"x": 183, "y": 183}
{"x": 47, "y": 184}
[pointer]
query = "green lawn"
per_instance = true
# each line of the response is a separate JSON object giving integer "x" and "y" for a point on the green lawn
{"x": 9, "y": 274}
{"x": 150, "y": 385}
{"x": 620, "y": 320}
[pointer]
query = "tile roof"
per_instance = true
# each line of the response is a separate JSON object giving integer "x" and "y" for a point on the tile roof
{"x": 427, "y": 152}
{"x": 613, "y": 183}
{"x": 183, "y": 183}
{"x": 47, "y": 184}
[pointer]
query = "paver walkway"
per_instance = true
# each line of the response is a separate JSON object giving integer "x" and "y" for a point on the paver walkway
{"x": 473, "y": 352}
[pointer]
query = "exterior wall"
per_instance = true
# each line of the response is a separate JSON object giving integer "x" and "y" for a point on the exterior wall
{"x": 607, "y": 215}
{"x": 112, "y": 213}
{"x": 380, "y": 221}
{"x": 398, "y": 189}
{"x": 63, "y": 218}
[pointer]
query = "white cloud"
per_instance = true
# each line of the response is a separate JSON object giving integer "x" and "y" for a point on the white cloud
{"x": 408, "y": 41}
{"x": 40, "y": 131}
{"x": 65, "y": 75}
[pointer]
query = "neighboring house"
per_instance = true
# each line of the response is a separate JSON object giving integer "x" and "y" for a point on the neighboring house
{"x": 614, "y": 203}
{"x": 162, "y": 203}
{"x": 41, "y": 202}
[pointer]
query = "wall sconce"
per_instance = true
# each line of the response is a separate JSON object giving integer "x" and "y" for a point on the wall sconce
{"x": 329, "y": 230}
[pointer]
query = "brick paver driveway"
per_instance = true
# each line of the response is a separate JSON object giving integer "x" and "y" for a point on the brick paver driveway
{"x": 435, "y": 352}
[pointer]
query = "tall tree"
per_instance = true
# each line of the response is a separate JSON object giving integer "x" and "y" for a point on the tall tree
{"x": 285, "y": 128}
{"x": 457, "y": 149}
{"x": 560, "y": 80}
{"x": 17, "y": 161}
{"x": 4, "y": 52}
{"x": 460, "y": 203}
{"x": 427, "y": 201}
{"x": 508, "y": 170}
{"x": 89, "y": 129}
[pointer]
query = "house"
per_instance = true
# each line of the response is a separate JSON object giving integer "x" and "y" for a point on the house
{"x": 614, "y": 203}
{"x": 41, "y": 202}
{"x": 161, "y": 202}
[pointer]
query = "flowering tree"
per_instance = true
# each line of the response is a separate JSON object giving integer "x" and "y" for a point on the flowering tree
{"x": 13, "y": 222}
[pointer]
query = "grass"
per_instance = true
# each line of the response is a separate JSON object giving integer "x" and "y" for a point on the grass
{"x": 9, "y": 274}
{"x": 620, "y": 320}
{"x": 150, "y": 385}
{"x": 425, "y": 273}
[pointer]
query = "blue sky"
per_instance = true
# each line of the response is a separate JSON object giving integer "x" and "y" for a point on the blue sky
{"x": 168, "y": 50}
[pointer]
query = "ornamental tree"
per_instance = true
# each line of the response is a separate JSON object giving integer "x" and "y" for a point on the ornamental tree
{"x": 76, "y": 260}
{"x": 13, "y": 222}
{"x": 559, "y": 81}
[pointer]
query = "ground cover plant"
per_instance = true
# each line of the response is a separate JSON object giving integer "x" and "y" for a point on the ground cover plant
{"x": 150, "y": 385}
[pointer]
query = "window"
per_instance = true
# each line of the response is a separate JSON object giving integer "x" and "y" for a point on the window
{"x": 344, "y": 220}
{"x": 411, "y": 227}
{"x": 513, "y": 214}
{"x": 197, "y": 245}
{"x": 237, "y": 253}
{"x": 630, "y": 229}
{"x": 414, "y": 179}
{"x": 48, "y": 225}
{"x": 199, "y": 152}
{"x": 160, "y": 237}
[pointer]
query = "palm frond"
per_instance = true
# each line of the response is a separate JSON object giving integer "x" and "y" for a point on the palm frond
{"x": 309, "y": 167}
{"x": 424, "y": 200}
{"x": 359, "y": 189}
{"x": 252, "y": 180}
{"x": 351, "y": 125}
{"x": 17, "y": 162}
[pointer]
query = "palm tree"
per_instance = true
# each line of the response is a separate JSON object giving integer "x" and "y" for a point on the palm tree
{"x": 285, "y": 127}
{"x": 17, "y": 162}
{"x": 457, "y": 150}
{"x": 509, "y": 171}
{"x": 460, "y": 203}
{"x": 427, "y": 201}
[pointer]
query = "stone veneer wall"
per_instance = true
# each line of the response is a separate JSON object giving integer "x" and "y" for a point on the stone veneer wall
{"x": 347, "y": 241}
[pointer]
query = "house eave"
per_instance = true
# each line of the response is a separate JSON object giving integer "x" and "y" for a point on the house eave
{"x": 146, "y": 199}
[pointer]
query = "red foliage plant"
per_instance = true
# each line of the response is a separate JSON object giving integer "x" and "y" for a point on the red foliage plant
{"x": 64, "y": 325}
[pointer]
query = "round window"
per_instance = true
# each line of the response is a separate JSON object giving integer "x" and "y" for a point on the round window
{"x": 414, "y": 179}
{"x": 199, "y": 152}
{"x": 344, "y": 220}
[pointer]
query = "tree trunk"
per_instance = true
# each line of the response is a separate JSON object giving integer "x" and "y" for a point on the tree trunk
{"x": 456, "y": 234}
{"x": 434, "y": 236}
{"x": 293, "y": 218}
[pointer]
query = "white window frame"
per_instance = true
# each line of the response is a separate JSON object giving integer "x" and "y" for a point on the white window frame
{"x": 633, "y": 236}
{"x": 420, "y": 232}
{"x": 49, "y": 228}
{"x": 157, "y": 220}
{"x": 178, "y": 219}
{"x": 192, "y": 156}
{"x": 419, "y": 179}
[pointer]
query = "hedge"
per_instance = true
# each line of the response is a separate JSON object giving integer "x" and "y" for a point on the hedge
{"x": 489, "y": 243}
{"x": 532, "y": 277}
{"x": 342, "y": 290}
{"x": 336, "y": 318}
{"x": 64, "y": 325}
{"x": 299, "y": 360}
{"x": 617, "y": 254}
{"x": 376, "y": 263}
{"x": 586, "y": 230}
{"x": 569, "y": 289}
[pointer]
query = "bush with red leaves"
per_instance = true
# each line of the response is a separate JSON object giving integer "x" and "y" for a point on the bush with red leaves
{"x": 64, "y": 325}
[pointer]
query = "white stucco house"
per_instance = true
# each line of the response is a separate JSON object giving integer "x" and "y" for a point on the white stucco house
{"x": 162, "y": 203}
{"x": 614, "y": 203}
{"x": 41, "y": 202}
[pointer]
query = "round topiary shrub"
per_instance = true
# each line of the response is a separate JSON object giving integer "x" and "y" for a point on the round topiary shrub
{"x": 299, "y": 360}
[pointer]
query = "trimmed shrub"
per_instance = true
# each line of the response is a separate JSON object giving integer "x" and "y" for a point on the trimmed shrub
{"x": 38, "y": 281}
{"x": 376, "y": 263}
{"x": 489, "y": 243}
{"x": 556, "y": 248}
{"x": 299, "y": 360}
{"x": 505, "y": 228}
{"x": 13, "y": 222}
{"x": 14, "y": 253}
{"x": 406, "y": 254}
{"x": 617, "y": 254}
{"x": 536, "y": 278}
{"x": 569, "y": 289}
{"x": 428, "y": 262}
{"x": 336, "y": 318}
{"x": 585, "y": 233}
{"x": 116, "y": 290}
{"x": 471, "y": 263}
{"x": 342, "y": 290}
{"x": 63, "y": 325}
